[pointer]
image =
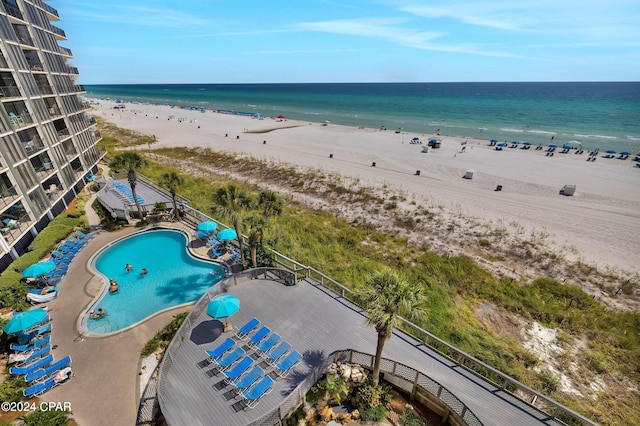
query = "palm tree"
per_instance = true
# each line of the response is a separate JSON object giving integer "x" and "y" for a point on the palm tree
{"x": 171, "y": 181}
{"x": 270, "y": 203}
{"x": 131, "y": 162}
{"x": 255, "y": 226}
{"x": 230, "y": 201}
{"x": 387, "y": 296}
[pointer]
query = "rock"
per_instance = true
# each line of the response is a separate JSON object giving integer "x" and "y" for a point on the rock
{"x": 331, "y": 369}
{"x": 326, "y": 414}
{"x": 355, "y": 414}
{"x": 345, "y": 371}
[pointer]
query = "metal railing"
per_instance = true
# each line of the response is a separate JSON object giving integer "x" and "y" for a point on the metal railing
{"x": 50, "y": 9}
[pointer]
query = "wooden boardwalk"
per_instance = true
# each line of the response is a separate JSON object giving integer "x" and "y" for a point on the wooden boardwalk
{"x": 317, "y": 323}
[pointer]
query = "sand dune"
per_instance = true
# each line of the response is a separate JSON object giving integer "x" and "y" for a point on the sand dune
{"x": 599, "y": 224}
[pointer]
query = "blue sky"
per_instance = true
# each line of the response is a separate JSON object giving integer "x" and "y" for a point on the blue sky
{"x": 295, "y": 41}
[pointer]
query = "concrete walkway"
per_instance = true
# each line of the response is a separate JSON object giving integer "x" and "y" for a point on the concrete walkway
{"x": 105, "y": 388}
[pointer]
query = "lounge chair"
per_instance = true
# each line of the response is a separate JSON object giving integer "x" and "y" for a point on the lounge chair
{"x": 86, "y": 237}
{"x": 253, "y": 395}
{"x": 221, "y": 349}
{"x": 244, "y": 331}
{"x": 37, "y": 343}
{"x": 248, "y": 379}
{"x": 284, "y": 367}
{"x": 238, "y": 369}
{"x": 41, "y": 298}
{"x": 258, "y": 336}
{"x": 67, "y": 251}
{"x": 49, "y": 370}
{"x": 60, "y": 258}
{"x": 278, "y": 352}
{"x": 42, "y": 362}
{"x": 268, "y": 344}
{"x": 50, "y": 383}
{"x": 230, "y": 359}
{"x": 35, "y": 355}
{"x": 26, "y": 338}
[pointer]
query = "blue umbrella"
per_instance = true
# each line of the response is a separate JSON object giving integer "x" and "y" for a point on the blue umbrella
{"x": 625, "y": 153}
{"x": 38, "y": 269}
{"x": 494, "y": 140}
{"x": 553, "y": 145}
{"x": 208, "y": 226}
{"x": 526, "y": 143}
{"x": 227, "y": 234}
{"x": 515, "y": 142}
{"x": 223, "y": 306}
{"x": 25, "y": 320}
{"x": 610, "y": 151}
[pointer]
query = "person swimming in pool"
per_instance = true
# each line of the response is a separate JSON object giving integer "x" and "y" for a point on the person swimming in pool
{"x": 144, "y": 271}
{"x": 113, "y": 286}
{"x": 95, "y": 315}
{"x": 128, "y": 267}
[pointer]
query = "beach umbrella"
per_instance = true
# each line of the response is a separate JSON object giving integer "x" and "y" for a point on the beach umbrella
{"x": 553, "y": 145}
{"x": 38, "y": 269}
{"x": 502, "y": 144}
{"x": 494, "y": 140}
{"x": 25, "y": 320}
{"x": 610, "y": 151}
{"x": 625, "y": 153}
{"x": 281, "y": 116}
{"x": 208, "y": 226}
{"x": 223, "y": 307}
{"x": 227, "y": 234}
{"x": 516, "y": 142}
{"x": 526, "y": 143}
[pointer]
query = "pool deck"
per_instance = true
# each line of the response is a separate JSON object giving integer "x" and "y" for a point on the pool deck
{"x": 104, "y": 389}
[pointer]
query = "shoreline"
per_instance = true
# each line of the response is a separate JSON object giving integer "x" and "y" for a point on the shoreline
{"x": 596, "y": 225}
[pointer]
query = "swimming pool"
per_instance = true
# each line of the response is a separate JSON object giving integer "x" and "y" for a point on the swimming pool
{"x": 173, "y": 278}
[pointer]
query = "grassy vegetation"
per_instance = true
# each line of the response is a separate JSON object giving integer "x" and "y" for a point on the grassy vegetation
{"x": 456, "y": 287}
{"x": 164, "y": 336}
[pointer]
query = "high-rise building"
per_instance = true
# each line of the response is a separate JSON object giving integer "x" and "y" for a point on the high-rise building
{"x": 47, "y": 141}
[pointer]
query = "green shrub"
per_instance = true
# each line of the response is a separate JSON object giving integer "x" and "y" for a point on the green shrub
{"x": 150, "y": 347}
{"x": 164, "y": 335}
{"x": 11, "y": 389}
{"x": 410, "y": 418}
{"x": 374, "y": 414}
{"x": 368, "y": 395}
{"x": 46, "y": 418}
{"x": 316, "y": 393}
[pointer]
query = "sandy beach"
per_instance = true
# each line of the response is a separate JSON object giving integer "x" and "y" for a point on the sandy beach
{"x": 598, "y": 225}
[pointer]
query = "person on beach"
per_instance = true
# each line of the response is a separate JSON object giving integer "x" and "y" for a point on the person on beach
{"x": 128, "y": 268}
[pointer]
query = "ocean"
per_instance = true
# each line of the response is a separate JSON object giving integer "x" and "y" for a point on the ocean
{"x": 599, "y": 114}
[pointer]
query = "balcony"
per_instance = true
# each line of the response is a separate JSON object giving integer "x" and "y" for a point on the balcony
{"x": 13, "y": 11}
{"x": 3, "y": 61}
{"x": 65, "y": 51}
{"x": 44, "y": 171}
{"x": 8, "y": 196}
{"x": 33, "y": 145}
{"x": 45, "y": 89}
{"x": 63, "y": 134}
{"x": 54, "y": 192}
{"x": 79, "y": 88}
{"x": 25, "y": 38}
{"x": 54, "y": 111}
{"x": 59, "y": 32}
{"x": 10, "y": 92}
{"x": 21, "y": 120}
{"x": 35, "y": 66}
{"x": 51, "y": 11}
{"x": 73, "y": 70}
{"x": 15, "y": 228}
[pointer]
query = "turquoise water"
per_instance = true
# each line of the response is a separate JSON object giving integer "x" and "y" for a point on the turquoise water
{"x": 174, "y": 277}
{"x": 603, "y": 115}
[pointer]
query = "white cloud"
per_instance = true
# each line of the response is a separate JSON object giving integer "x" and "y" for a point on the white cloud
{"x": 396, "y": 31}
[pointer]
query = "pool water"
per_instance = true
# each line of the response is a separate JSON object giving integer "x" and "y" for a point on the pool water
{"x": 173, "y": 278}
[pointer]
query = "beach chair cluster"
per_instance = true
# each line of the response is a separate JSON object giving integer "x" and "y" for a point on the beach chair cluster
{"x": 123, "y": 192}
{"x": 32, "y": 358}
{"x": 45, "y": 288}
{"x": 252, "y": 360}
{"x": 223, "y": 251}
